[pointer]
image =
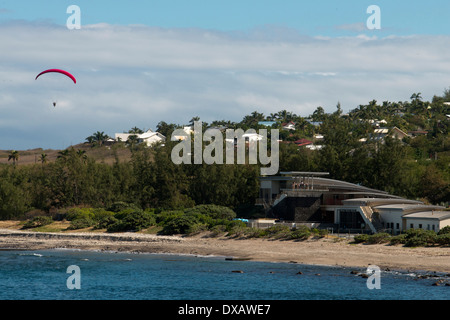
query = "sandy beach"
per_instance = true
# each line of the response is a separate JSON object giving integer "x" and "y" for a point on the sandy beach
{"x": 325, "y": 251}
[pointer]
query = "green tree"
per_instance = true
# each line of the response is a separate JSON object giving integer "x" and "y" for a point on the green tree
{"x": 14, "y": 156}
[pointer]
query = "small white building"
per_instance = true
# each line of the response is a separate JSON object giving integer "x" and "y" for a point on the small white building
{"x": 401, "y": 217}
{"x": 428, "y": 220}
{"x": 288, "y": 126}
{"x": 149, "y": 138}
{"x": 188, "y": 130}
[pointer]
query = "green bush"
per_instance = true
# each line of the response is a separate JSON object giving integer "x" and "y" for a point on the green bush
{"x": 361, "y": 238}
{"x": 197, "y": 228}
{"x": 399, "y": 239}
{"x": 237, "y": 229}
{"x": 301, "y": 233}
{"x": 179, "y": 224}
{"x": 100, "y": 213}
{"x": 218, "y": 230}
{"x": 235, "y": 224}
{"x": 213, "y": 211}
{"x": 377, "y": 238}
{"x": 81, "y": 223}
{"x": 131, "y": 220}
{"x": 165, "y": 217}
{"x": 278, "y": 231}
{"x": 38, "y": 222}
{"x": 106, "y": 222}
{"x": 80, "y": 213}
{"x": 319, "y": 232}
{"x": 444, "y": 230}
{"x": 443, "y": 239}
{"x": 255, "y": 233}
{"x": 420, "y": 237}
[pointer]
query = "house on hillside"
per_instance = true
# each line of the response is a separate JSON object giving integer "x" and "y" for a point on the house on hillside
{"x": 416, "y": 133}
{"x": 378, "y": 123}
{"x": 380, "y": 134}
{"x": 303, "y": 142}
{"x": 288, "y": 126}
{"x": 149, "y": 137}
{"x": 188, "y": 130}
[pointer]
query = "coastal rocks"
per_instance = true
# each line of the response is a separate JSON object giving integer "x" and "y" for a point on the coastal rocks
{"x": 441, "y": 282}
{"x": 237, "y": 271}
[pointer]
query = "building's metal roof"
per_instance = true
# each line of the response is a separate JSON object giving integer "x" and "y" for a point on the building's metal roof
{"x": 439, "y": 215}
{"x": 394, "y": 202}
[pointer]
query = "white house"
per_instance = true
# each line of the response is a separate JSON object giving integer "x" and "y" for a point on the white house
{"x": 428, "y": 220}
{"x": 149, "y": 138}
{"x": 401, "y": 217}
{"x": 288, "y": 126}
{"x": 381, "y": 133}
{"x": 121, "y": 136}
{"x": 189, "y": 130}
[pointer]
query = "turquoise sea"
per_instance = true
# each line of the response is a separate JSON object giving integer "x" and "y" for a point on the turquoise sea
{"x": 43, "y": 275}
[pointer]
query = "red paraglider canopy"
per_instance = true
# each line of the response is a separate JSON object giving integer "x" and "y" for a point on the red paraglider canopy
{"x": 59, "y": 71}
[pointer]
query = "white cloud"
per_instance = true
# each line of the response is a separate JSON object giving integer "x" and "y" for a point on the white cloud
{"x": 137, "y": 76}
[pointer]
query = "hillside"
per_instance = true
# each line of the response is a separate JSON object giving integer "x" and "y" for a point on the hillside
{"x": 104, "y": 154}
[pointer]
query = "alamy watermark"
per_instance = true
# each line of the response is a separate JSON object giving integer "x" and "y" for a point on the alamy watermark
{"x": 234, "y": 139}
{"x": 374, "y": 21}
{"x": 374, "y": 280}
{"x": 74, "y": 280}
{"x": 74, "y": 20}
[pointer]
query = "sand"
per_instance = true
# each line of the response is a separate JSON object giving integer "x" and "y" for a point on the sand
{"x": 326, "y": 251}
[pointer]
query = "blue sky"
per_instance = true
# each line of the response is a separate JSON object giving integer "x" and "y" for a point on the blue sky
{"x": 142, "y": 62}
{"x": 320, "y": 17}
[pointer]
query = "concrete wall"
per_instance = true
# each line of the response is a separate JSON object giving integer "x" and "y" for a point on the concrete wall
{"x": 426, "y": 224}
{"x": 392, "y": 218}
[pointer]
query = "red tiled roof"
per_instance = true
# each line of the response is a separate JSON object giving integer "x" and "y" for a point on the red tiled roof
{"x": 303, "y": 142}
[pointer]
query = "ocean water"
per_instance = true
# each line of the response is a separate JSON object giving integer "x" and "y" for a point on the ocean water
{"x": 42, "y": 275}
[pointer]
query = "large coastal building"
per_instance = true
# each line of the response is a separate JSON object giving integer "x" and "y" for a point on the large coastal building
{"x": 310, "y": 198}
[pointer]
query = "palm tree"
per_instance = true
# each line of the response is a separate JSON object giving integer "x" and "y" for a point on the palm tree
{"x": 63, "y": 154}
{"x": 90, "y": 139}
{"x": 132, "y": 141}
{"x": 14, "y": 155}
{"x": 135, "y": 130}
{"x": 416, "y": 103}
{"x": 193, "y": 120}
{"x": 100, "y": 137}
{"x": 43, "y": 158}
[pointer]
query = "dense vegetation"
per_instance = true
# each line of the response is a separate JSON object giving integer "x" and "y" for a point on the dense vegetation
{"x": 157, "y": 191}
{"x": 411, "y": 238}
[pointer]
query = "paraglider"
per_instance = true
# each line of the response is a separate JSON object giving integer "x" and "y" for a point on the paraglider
{"x": 57, "y": 71}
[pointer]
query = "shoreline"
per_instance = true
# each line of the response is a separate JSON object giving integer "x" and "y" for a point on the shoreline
{"x": 325, "y": 251}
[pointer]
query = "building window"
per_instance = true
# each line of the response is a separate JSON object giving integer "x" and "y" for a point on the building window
{"x": 433, "y": 228}
{"x": 411, "y": 225}
{"x": 420, "y": 226}
{"x": 398, "y": 226}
